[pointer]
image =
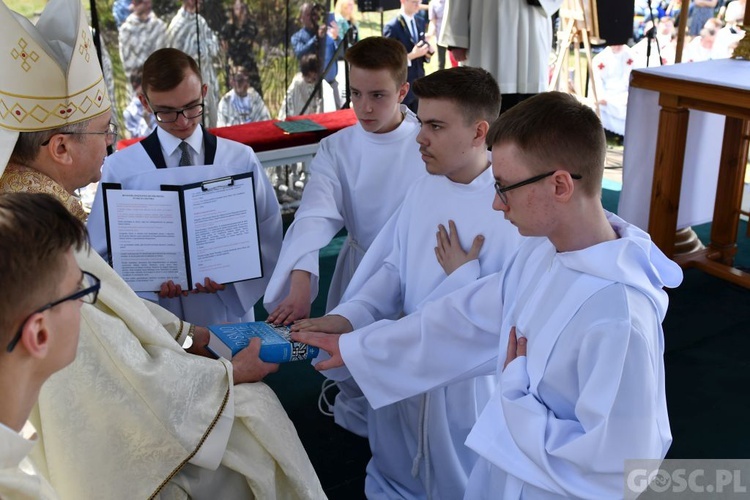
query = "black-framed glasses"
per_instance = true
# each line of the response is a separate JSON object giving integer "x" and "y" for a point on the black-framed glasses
{"x": 170, "y": 116}
{"x": 110, "y": 133}
{"x": 501, "y": 190}
{"x": 87, "y": 291}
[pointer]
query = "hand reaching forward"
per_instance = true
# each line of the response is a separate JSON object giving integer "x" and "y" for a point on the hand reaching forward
{"x": 248, "y": 367}
{"x": 326, "y": 341}
{"x": 448, "y": 251}
{"x": 296, "y": 305}
{"x": 516, "y": 347}
{"x": 332, "y": 323}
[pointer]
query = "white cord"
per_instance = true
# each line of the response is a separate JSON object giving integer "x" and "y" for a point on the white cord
{"x": 323, "y": 398}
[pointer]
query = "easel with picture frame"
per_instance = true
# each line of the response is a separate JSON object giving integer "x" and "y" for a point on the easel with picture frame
{"x": 579, "y": 24}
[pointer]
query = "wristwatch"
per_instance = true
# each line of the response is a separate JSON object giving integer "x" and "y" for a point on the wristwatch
{"x": 189, "y": 339}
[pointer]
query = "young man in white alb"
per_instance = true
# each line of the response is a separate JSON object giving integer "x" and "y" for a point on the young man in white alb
{"x": 572, "y": 327}
{"x": 173, "y": 91}
{"x": 358, "y": 179}
{"x": 39, "y": 322}
{"x": 134, "y": 415}
{"x": 417, "y": 444}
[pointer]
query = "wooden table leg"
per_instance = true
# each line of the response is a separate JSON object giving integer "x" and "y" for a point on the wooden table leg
{"x": 718, "y": 257}
{"x": 668, "y": 165}
{"x": 732, "y": 165}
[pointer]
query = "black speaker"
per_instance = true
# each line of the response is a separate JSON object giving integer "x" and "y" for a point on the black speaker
{"x": 616, "y": 20}
{"x": 377, "y": 5}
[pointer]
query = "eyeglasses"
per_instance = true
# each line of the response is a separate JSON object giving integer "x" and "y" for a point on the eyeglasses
{"x": 189, "y": 112}
{"x": 88, "y": 290}
{"x": 110, "y": 133}
{"x": 501, "y": 190}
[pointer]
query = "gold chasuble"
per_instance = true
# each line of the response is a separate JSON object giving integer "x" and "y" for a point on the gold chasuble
{"x": 134, "y": 416}
{"x": 134, "y": 407}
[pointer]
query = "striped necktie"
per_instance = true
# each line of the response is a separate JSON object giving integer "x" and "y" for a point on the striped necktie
{"x": 414, "y": 34}
{"x": 186, "y": 159}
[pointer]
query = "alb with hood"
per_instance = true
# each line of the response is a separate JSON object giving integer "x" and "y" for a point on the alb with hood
{"x": 588, "y": 395}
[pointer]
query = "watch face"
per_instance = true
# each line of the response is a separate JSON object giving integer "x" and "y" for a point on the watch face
{"x": 189, "y": 338}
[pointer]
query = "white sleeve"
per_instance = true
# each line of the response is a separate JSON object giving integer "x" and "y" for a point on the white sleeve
{"x": 270, "y": 229}
{"x": 213, "y": 449}
{"x": 177, "y": 328}
{"x": 467, "y": 273}
{"x": 375, "y": 291}
{"x": 317, "y": 220}
{"x": 617, "y": 417}
{"x": 452, "y": 338}
{"x": 223, "y": 119}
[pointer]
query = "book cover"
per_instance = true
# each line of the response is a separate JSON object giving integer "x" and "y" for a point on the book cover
{"x": 298, "y": 126}
{"x": 277, "y": 345}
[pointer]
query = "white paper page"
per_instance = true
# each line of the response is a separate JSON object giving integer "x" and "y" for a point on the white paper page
{"x": 223, "y": 232}
{"x": 147, "y": 246}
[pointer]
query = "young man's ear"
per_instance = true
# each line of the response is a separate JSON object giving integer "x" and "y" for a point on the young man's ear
{"x": 480, "y": 133}
{"x": 204, "y": 90}
{"x": 402, "y": 91}
{"x": 144, "y": 101}
{"x": 35, "y": 336}
{"x": 564, "y": 185}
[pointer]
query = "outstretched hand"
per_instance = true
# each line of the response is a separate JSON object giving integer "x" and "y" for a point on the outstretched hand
{"x": 296, "y": 305}
{"x": 332, "y": 323}
{"x": 449, "y": 252}
{"x": 328, "y": 342}
{"x": 292, "y": 308}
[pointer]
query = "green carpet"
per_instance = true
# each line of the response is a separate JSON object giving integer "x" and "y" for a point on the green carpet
{"x": 707, "y": 335}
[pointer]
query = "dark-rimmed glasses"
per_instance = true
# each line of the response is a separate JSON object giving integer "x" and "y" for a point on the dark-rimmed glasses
{"x": 88, "y": 291}
{"x": 170, "y": 116}
{"x": 501, "y": 190}
{"x": 111, "y": 134}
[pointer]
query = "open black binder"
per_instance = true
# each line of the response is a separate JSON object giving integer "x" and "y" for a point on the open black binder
{"x": 184, "y": 233}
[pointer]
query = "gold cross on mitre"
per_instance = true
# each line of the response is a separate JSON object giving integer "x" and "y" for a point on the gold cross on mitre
{"x": 51, "y": 76}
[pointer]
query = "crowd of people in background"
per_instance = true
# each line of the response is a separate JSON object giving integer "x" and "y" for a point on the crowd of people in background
{"x": 228, "y": 54}
{"x": 524, "y": 359}
{"x": 713, "y": 31}
{"x": 232, "y": 49}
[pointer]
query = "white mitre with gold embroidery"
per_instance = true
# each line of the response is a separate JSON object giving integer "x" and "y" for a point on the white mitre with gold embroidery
{"x": 50, "y": 72}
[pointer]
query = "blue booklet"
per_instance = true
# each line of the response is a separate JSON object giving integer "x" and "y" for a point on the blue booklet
{"x": 277, "y": 345}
